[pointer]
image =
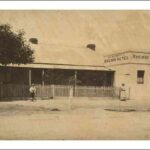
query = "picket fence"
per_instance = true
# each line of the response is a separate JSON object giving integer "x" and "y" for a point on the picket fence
{"x": 49, "y": 91}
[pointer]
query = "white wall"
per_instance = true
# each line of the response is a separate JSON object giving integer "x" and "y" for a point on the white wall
{"x": 127, "y": 74}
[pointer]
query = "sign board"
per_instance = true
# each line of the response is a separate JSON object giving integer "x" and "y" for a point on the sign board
{"x": 127, "y": 57}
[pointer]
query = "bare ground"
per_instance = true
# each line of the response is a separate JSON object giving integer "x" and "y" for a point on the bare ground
{"x": 88, "y": 119}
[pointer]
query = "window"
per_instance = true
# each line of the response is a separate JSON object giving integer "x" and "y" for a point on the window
{"x": 140, "y": 76}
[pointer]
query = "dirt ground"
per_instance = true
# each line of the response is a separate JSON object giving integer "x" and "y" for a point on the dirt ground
{"x": 88, "y": 119}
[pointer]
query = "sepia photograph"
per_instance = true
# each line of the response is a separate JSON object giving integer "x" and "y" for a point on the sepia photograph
{"x": 74, "y": 74}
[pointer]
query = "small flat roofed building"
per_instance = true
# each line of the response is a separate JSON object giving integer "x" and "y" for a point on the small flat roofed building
{"x": 133, "y": 69}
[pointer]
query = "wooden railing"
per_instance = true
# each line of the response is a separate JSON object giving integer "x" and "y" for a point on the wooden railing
{"x": 47, "y": 91}
{"x": 10, "y": 91}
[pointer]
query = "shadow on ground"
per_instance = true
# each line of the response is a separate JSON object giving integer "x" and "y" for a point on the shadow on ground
{"x": 8, "y": 110}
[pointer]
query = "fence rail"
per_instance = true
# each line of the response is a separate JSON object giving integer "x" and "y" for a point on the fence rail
{"x": 22, "y": 91}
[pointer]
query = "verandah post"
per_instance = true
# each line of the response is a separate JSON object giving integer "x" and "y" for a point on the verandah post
{"x": 75, "y": 82}
{"x": 30, "y": 77}
{"x": 43, "y": 74}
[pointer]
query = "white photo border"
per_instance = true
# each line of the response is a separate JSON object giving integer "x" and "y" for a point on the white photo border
{"x": 74, "y": 5}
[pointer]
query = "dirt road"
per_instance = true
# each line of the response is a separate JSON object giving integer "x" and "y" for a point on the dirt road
{"x": 87, "y": 120}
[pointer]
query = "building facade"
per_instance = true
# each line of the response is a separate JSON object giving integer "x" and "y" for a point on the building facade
{"x": 133, "y": 69}
{"x": 130, "y": 67}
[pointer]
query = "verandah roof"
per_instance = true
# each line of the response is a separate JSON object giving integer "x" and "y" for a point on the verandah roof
{"x": 61, "y": 66}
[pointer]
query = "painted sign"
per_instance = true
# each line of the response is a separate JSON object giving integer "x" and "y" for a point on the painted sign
{"x": 140, "y": 56}
{"x": 115, "y": 59}
{"x": 127, "y": 57}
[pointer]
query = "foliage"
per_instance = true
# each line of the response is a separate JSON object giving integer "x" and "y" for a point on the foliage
{"x": 13, "y": 47}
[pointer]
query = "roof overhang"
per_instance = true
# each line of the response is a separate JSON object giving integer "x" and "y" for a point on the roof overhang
{"x": 61, "y": 66}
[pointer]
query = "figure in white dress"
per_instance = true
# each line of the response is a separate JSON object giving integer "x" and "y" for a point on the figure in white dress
{"x": 123, "y": 93}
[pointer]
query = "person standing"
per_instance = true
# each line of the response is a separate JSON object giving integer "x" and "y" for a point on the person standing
{"x": 123, "y": 96}
{"x": 32, "y": 91}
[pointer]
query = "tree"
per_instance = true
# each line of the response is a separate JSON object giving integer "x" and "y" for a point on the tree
{"x": 13, "y": 47}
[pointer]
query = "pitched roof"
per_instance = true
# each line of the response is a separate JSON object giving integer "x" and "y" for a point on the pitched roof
{"x": 60, "y": 54}
{"x": 63, "y": 35}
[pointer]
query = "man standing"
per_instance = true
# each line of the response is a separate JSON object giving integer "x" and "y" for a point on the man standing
{"x": 32, "y": 91}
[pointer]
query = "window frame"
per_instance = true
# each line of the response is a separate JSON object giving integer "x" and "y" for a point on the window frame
{"x": 140, "y": 76}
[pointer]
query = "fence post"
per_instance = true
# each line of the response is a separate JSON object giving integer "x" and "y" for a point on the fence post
{"x": 129, "y": 93}
{"x": 53, "y": 90}
{"x": 0, "y": 91}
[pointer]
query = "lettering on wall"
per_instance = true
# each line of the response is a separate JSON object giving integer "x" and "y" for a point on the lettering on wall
{"x": 116, "y": 59}
{"x": 130, "y": 57}
{"x": 135, "y": 56}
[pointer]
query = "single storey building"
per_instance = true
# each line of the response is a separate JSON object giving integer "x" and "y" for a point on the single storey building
{"x": 129, "y": 67}
{"x": 55, "y": 70}
{"x": 133, "y": 69}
